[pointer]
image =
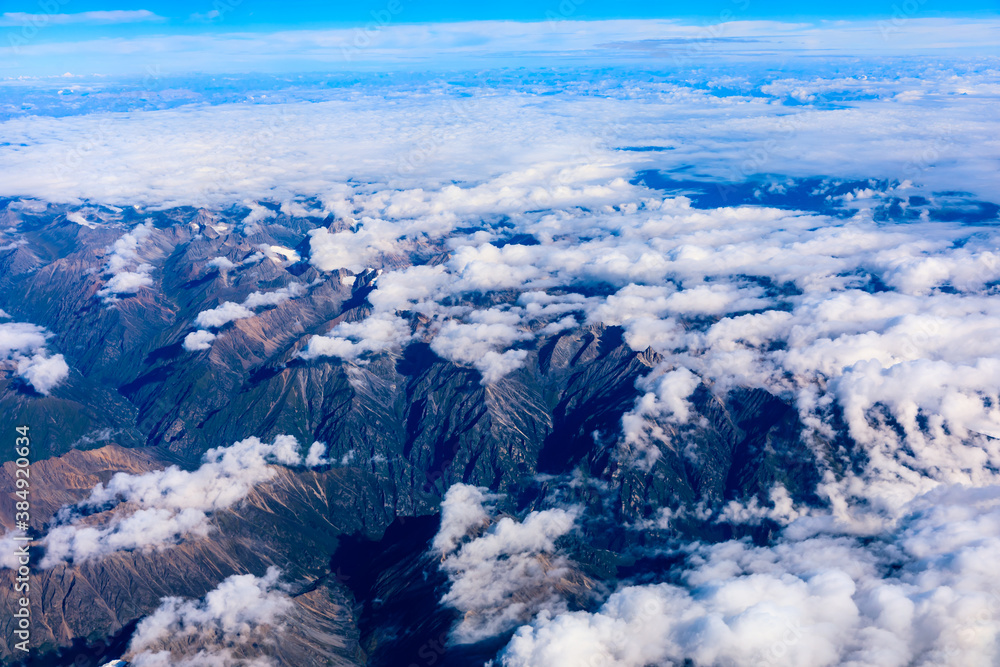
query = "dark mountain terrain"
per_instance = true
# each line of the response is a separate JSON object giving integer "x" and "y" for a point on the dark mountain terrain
{"x": 351, "y": 535}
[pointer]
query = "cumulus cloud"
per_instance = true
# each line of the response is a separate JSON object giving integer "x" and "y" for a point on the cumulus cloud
{"x": 42, "y": 372}
{"x": 644, "y": 427}
{"x": 10, "y": 545}
{"x": 352, "y": 250}
{"x": 223, "y": 314}
{"x": 163, "y": 507}
{"x": 198, "y": 340}
{"x": 350, "y": 340}
{"x": 257, "y": 214}
{"x": 508, "y": 571}
{"x": 125, "y": 270}
{"x": 316, "y": 456}
{"x": 221, "y": 263}
{"x": 23, "y": 345}
{"x": 243, "y": 611}
{"x": 229, "y": 311}
{"x": 919, "y": 594}
{"x": 476, "y": 342}
{"x": 464, "y": 508}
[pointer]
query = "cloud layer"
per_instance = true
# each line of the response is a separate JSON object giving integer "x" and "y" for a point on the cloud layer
{"x": 920, "y": 594}
{"x": 478, "y": 44}
{"x": 918, "y": 121}
{"x": 823, "y": 237}
{"x": 163, "y": 507}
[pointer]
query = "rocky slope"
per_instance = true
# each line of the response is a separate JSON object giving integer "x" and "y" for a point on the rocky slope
{"x": 401, "y": 427}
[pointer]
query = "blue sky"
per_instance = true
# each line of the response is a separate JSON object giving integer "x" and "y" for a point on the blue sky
{"x": 54, "y": 37}
{"x": 82, "y": 19}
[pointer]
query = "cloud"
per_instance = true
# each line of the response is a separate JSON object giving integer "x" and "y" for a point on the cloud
{"x": 19, "y": 19}
{"x": 316, "y": 456}
{"x": 222, "y": 263}
{"x": 243, "y": 611}
{"x": 508, "y": 571}
{"x": 463, "y": 510}
{"x": 350, "y": 340}
{"x": 168, "y": 505}
{"x": 919, "y": 594}
{"x": 229, "y": 311}
{"x": 223, "y": 314}
{"x": 24, "y": 345}
{"x": 128, "y": 273}
{"x": 422, "y": 155}
{"x": 197, "y": 341}
{"x": 475, "y": 342}
{"x": 43, "y": 373}
{"x": 663, "y": 402}
{"x": 480, "y": 44}
{"x": 817, "y": 248}
{"x": 10, "y": 545}
{"x": 352, "y": 250}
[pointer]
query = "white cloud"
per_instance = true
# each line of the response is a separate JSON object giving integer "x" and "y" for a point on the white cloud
{"x": 23, "y": 344}
{"x": 920, "y": 594}
{"x": 475, "y": 343}
{"x": 18, "y": 19}
{"x": 229, "y": 311}
{"x": 508, "y": 571}
{"x": 42, "y": 372}
{"x": 464, "y": 508}
{"x": 273, "y": 298}
{"x": 424, "y": 153}
{"x": 126, "y": 270}
{"x": 169, "y": 505}
{"x": 243, "y": 612}
{"x": 222, "y": 263}
{"x": 352, "y": 250}
{"x": 127, "y": 282}
{"x": 316, "y": 456}
{"x": 8, "y": 557}
{"x": 257, "y": 214}
{"x": 664, "y": 402}
{"x": 481, "y": 44}
{"x": 198, "y": 340}
{"x": 350, "y": 340}
{"x": 223, "y": 314}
